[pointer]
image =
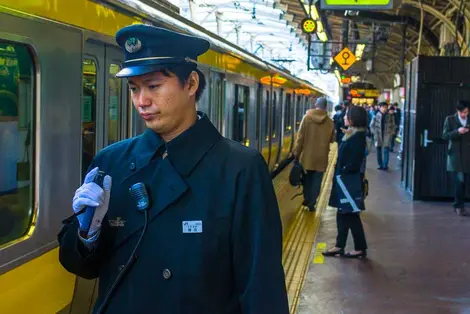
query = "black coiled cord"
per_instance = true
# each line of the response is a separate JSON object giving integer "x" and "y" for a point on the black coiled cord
{"x": 126, "y": 267}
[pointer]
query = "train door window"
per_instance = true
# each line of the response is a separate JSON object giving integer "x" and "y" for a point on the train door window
{"x": 240, "y": 114}
{"x": 219, "y": 104}
{"x": 274, "y": 116}
{"x": 298, "y": 113}
{"x": 287, "y": 114}
{"x": 266, "y": 117}
{"x": 259, "y": 100}
{"x": 17, "y": 138}
{"x": 89, "y": 113}
{"x": 114, "y": 104}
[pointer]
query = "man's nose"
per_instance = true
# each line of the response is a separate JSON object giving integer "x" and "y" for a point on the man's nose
{"x": 144, "y": 99}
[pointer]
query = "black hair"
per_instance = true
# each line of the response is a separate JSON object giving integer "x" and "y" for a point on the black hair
{"x": 338, "y": 107}
{"x": 357, "y": 116}
{"x": 383, "y": 104}
{"x": 462, "y": 105}
{"x": 182, "y": 72}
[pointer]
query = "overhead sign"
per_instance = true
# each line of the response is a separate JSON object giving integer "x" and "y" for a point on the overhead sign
{"x": 358, "y": 4}
{"x": 367, "y": 93}
{"x": 308, "y": 25}
{"x": 345, "y": 58}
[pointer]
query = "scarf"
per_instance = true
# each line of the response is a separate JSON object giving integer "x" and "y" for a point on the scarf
{"x": 351, "y": 131}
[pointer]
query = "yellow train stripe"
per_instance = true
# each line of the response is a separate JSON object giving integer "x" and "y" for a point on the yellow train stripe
{"x": 41, "y": 286}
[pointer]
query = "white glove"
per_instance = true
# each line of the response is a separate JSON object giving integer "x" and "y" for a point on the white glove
{"x": 91, "y": 194}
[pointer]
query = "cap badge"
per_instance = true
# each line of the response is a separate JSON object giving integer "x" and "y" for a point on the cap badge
{"x": 133, "y": 45}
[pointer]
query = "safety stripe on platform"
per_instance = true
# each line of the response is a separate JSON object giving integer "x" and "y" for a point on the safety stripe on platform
{"x": 300, "y": 238}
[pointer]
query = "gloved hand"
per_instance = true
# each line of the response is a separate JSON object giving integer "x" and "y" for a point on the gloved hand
{"x": 91, "y": 194}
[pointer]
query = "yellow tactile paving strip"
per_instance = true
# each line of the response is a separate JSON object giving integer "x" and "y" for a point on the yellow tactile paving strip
{"x": 300, "y": 235}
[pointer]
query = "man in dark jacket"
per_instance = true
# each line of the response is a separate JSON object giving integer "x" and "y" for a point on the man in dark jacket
{"x": 339, "y": 121}
{"x": 213, "y": 240}
{"x": 455, "y": 130}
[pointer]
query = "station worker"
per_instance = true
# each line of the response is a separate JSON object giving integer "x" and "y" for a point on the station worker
{"x": 214, "y": 237}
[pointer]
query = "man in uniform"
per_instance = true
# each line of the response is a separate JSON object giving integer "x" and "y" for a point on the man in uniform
{"x": 214, "y": 238}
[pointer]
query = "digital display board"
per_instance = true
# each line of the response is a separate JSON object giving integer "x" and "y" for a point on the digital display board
{"x": 358, "y": 4}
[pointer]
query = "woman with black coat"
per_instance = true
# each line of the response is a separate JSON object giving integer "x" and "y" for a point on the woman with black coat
{"x": 351, "y": 155}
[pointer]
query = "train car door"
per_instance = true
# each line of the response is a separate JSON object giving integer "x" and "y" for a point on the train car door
{"x": 104, "y": 121}
{"x": 104, "y": 102}
{"x": 217, "y": 112}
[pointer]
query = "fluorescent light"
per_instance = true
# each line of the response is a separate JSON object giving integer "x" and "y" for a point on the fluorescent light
{"x": 359, "y": 51}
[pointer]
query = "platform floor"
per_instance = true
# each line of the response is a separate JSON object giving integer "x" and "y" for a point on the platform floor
{"x": 419, "y": 260}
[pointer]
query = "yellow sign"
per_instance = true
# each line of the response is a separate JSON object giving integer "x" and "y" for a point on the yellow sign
{"x": 345, "y": 58}
{"x": 309, "y": 25}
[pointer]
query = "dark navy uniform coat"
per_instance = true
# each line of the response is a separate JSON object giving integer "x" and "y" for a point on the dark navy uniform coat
{"x": 232, "y": 266}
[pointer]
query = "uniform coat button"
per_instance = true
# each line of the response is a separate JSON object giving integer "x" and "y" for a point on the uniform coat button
{"x": 166, "y": 273}
{"x": 132, "y": 166}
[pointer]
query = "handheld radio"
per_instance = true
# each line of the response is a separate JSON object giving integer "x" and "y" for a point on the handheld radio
{"x": 90, "y": 210}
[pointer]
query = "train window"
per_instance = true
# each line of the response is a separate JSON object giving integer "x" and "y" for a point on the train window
{"x": 240, "y": 114}
{"x": 266, "y": 117}
{"x": 287, "y": 114}
{"x": 17, "y": 102}
{"x": 114, "y": 105}
{"x": 219, "y": 104}
{"x": 298, "y": 112}
{"x": 88, "y": 113}
{"x": 274, "y": 114}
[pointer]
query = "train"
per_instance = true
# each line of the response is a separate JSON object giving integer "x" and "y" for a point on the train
{"x": 60, "y": 103}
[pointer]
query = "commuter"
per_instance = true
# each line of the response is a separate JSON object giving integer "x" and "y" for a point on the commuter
{"x": 455, "y": 131}
{"x": 339, "y": 122}
{"x": 383, "y": 128}
{"x": 312, "y": 148}
{"x": 337, "y": 115}
{"x": 350, "y": 160}
{"x": 210, "y": 233}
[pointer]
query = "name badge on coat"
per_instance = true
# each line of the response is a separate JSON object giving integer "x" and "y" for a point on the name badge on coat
{"x": 194, "y": 226}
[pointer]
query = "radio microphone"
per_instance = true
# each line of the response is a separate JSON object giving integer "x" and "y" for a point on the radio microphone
{"x": 139, "y": 194}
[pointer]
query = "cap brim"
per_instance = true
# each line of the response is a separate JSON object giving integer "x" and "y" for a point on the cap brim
{"x": 141, "y": 70}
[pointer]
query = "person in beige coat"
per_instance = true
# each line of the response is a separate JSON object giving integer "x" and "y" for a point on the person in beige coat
{"x": 312, "y": 148}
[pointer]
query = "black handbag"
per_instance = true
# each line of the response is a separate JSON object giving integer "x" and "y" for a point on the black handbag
{"x": 348, "y": 193}
{"x": 297, "y": 173}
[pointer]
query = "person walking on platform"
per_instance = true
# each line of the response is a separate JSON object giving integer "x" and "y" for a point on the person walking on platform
{"x": 455, "y": 131}
{"x": 350, "y": 160}
{"x": 383, "y": 128}
{"x": 208, "y": 238}
{"x": 312, "y": 148}
{"x": 339, "y": 121}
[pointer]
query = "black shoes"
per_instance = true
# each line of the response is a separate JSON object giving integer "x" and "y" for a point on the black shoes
{"x": 461, "y": 212}
{"x": 362, "y": 254}
{"x": 334, "y": 253}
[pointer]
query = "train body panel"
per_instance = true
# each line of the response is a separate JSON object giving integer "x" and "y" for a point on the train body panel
{"x": 70, "y": 106}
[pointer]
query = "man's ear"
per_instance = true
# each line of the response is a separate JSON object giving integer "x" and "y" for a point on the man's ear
{"x": 193, "y": 83}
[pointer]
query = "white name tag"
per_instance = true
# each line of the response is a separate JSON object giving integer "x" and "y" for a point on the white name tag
{"x": 192, "y": 226}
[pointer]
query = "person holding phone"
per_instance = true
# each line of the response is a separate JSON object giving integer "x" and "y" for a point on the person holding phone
{"x": 456, "y": 132}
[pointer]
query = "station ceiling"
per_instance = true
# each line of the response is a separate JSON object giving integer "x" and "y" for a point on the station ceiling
{"x": 435, "y": 36}
{"x": 271, "y": 29}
